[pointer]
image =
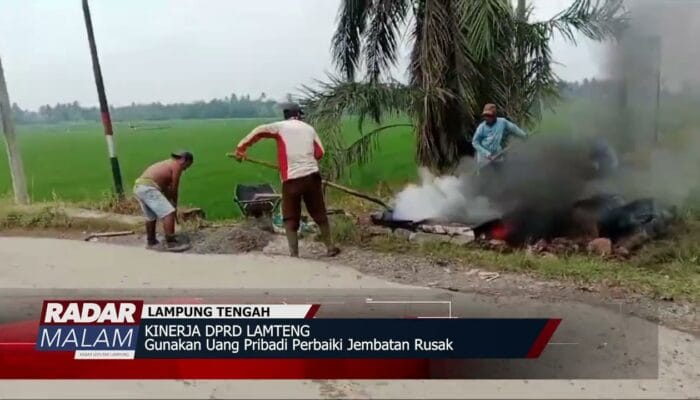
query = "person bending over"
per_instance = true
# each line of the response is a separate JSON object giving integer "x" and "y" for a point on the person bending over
{"x": 156, "y": 191}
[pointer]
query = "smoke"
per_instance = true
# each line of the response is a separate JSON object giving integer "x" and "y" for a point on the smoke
{"x": 658, "y": 53}
{"x": 657, "y": 139}
{"x": 662, "y": 35}
{"x": 666, "y": 173}
{"x": 532, "y": 177}
{"x": 445, "y": 198}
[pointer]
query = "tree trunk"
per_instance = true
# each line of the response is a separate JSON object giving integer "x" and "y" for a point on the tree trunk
{"x": 19, "y": 185}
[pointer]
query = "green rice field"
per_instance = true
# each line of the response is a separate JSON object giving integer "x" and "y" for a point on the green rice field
{"x": 68, "y": 162}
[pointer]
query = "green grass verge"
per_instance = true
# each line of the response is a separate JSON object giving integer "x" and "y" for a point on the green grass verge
{"x": 666, "y": 269}
{"x": 52, "y": 216}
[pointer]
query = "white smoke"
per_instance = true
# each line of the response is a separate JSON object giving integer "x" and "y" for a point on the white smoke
{"x": 447, "y": 198}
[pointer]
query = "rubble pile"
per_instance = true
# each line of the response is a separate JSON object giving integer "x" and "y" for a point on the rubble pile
{"x": 603, "y": 225}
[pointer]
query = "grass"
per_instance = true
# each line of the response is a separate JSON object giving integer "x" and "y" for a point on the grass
{"x": 52, "y": 216}
{"x": 667, "y": 269}
{"x": 69, "y": 162}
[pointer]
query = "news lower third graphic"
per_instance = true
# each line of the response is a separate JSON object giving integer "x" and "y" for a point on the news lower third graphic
{"x": 116, "y": 329}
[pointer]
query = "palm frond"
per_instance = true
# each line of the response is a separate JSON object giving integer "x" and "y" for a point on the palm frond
{"x": 347, "y": 41}
{"x": 361, "y": 150}
{"x": 464, "y": 71}
{"x": 382, "y": 36}
{"x": 539, "y": 82}
{"x": 484, "y": 20}
{"x": 596, "y": 19}
{"x": 329, "y": 102}
{"x": 491, "y": 45}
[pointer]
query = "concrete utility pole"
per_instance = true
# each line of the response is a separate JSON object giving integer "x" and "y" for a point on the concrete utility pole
{"x": 19, "y": 184}
{"x": 520, "y": 11}
{"x": 656, "y": 42}
{"x": 104, "y": 108}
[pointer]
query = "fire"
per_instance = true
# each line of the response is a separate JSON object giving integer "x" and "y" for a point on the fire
{"x": 500, "y": 231}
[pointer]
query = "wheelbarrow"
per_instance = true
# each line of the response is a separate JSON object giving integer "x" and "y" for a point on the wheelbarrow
{"x": 325, "y": 182}
{"x": 262, "y": 203}
{"x": 256, "y": 200}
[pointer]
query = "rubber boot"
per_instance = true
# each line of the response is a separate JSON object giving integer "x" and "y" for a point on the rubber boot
{"x": 151, "y": 240}
{"x": 293, "y": 241}
{"x": 331, "y": 249}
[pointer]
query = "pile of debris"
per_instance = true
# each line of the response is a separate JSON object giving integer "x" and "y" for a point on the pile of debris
{"x": 230, "y": 240}
{"x": 605, "y": 225}
{"x": 423, "y": 231}
{"x": 564, "y": 246}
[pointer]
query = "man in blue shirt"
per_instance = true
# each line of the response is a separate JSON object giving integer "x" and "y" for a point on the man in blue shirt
{"x": 491, "y": 134}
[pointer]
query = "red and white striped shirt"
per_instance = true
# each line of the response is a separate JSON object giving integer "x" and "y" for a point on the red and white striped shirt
{"x": 298, "y": 146}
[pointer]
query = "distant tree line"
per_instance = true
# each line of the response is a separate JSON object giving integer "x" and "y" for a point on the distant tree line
{"x": 590, "y": 88}
{"x": 609, "y": 88}
{"x": 243, "y": 106}
{"x": 233, "y": 106}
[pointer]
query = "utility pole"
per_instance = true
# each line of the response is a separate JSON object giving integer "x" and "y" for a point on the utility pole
{"x": 521, "y": 10}
{"x": 657, "y": 43}
{"x": 19, "y": 184}
{"x": 104, "y": 108}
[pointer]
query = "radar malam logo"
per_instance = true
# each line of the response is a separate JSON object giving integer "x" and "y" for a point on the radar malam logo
{"x": 91, "y": 329}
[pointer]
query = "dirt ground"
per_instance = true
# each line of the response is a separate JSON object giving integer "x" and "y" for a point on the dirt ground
{"x": 418, "y": 270}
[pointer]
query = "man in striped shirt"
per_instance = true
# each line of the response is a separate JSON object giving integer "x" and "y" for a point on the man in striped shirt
{"x": 298, "y": 151}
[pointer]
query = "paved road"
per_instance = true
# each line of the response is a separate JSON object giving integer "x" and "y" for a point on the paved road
{"x": 50, "y": 264}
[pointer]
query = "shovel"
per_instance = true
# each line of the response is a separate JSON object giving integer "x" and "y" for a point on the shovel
{"x": 494, "y": 158}
{"x": 499, "y": 154}
{"x": 325, "y": 182}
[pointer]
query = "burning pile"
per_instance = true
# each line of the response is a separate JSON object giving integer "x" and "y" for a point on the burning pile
{"x": 600, "y": 224}
{"x": 550, "y": 196}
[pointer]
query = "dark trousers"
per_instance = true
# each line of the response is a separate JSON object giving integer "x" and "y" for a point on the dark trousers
{"x": 308, "y": 189}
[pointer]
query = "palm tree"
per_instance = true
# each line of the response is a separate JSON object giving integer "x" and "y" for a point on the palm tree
{"x": 464, "y": 53}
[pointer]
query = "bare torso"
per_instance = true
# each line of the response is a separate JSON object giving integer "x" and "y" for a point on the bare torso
{"x": 162, "y": 173}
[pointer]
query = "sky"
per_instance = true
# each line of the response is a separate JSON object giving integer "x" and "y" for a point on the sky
{"x": 187, "y": 50}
